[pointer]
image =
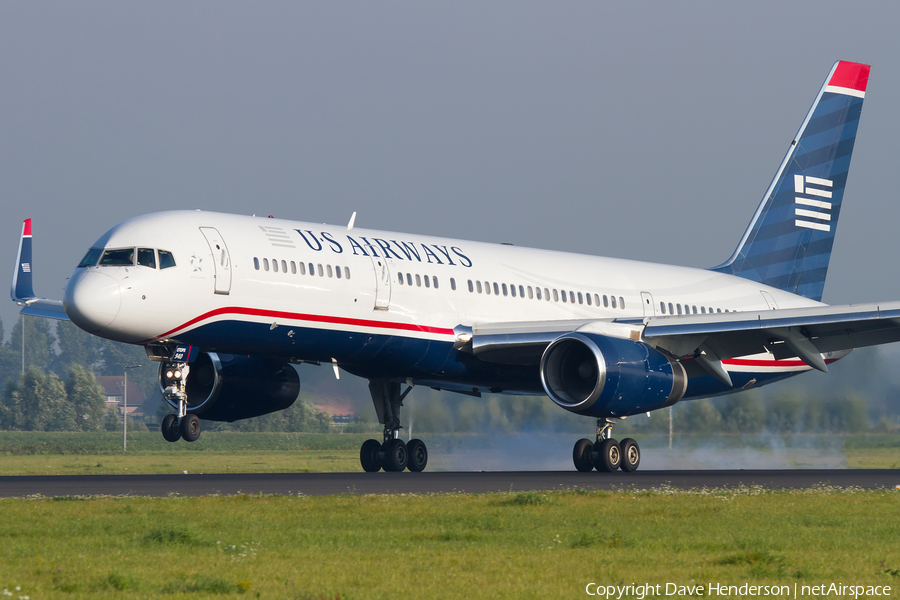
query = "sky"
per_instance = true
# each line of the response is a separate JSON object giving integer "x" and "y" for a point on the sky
{"x": 630, "y": 129}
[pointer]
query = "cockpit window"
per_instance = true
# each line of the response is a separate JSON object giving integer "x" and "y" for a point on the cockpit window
{"x": 90, "y": 259}
{"x": 147, "y": 257}
{"x": 166, "y": 259}
{"x": 117, "y": 258}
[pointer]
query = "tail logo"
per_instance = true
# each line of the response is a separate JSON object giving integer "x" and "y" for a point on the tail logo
{"x": 26, "y": 267}
{"x": 819, "y": 190}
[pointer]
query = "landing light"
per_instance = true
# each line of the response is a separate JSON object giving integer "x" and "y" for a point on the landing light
{"x": 169, "y": 375}
{"x": 177, "y": 374}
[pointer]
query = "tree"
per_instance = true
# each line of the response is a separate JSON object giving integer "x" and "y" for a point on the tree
{"x": 783, "y": 414}
{"x": 10, "y": 361}
{"x": 38, "y": 403}
{"x": 700, "y": 416}
{"x": 85, "y": 394}
{"x": 76, "y": 347}
{"x": 743, "y": 413}
{"x": 39, "y": 342}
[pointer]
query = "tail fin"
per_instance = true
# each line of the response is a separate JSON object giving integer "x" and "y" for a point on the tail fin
{"x": 22, "y": 289}
{"x": 788, "y": 243}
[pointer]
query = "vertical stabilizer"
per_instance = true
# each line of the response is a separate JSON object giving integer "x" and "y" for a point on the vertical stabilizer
{"x": 788, "y": 243}
{"x": 22, "y": 289}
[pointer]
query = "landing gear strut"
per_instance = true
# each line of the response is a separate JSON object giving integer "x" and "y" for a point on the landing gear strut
{"x": 181, "y": 425}
{"x": 393, "y": 454}
{"x": 606, "y": 454}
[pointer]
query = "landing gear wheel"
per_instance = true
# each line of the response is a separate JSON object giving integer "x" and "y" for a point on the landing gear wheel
{"x": 418, "y": 455}
{"x": 169, "y": 427}
{"x": 395, "y": 455}
{"x": 190, "y": 428}
{"x": 609, "y": 455}
{"x": 631, "y": 455}
{"x": 581, "y": 455}
{"x": 368, "y": 456}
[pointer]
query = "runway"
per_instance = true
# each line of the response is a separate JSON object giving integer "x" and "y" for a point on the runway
{"x": 319, "y": 484}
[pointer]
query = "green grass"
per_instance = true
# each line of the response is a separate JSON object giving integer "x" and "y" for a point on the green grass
{"x": 521, "y": 545}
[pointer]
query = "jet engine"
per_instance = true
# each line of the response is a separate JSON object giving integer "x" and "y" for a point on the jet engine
{"x": 603, "y": 376}
{"x": 225, "y": 387}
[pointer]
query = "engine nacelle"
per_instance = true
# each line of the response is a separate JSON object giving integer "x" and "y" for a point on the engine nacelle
{"x": 225, "y": 387}
{"x": 602, "y": 376}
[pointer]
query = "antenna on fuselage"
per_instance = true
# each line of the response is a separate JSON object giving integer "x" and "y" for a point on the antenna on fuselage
{"x": 352, "y": 221}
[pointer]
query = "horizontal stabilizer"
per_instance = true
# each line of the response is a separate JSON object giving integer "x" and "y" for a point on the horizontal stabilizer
{"x": 22, "y": 289}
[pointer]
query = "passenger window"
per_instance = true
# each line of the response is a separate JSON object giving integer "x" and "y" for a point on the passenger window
{"x": 453, "y": 284}
{"x": 613, "y": 298}
{"x": 537, "y": 293}
{"x": 605, "y": 301}
{"x": 418, "y": 280}
{"x": 555, "y": 295}
{"x": 274, "y": 265}
{"x": 588, "y": 298}
{"x": 321, "y": 270}
{"x": 284, "y": 266}
{"x": 265, "y": 263}
{"x": 621, "y": 303}
{"x": 166, "y": 259}
{"x": 427, "y": 283}
{"x": 547, "y": 294}
{"x": 118, "y": 258}
{"x": 478, "y": 286}
{"x": 662, "y": 307}
{"x": 512, "y": 290}
{"x": 530, "y": 293}
{"x": 303, "y": 268}
{"x": 337, "y": 271}
{"x": 678, "y": 308}
{"x": 330, "y": 271}
{"x": 147, "y": 257}
{"x": 505, "y": 290}
{"x": 90, "y": 259}
{"x": 487, "y": 288}
{"x": 521, "y": 292}
{"x": 346, "y": 272}
{"x": 596, "y": 299}
{"x": 671, "y": 309}
{"x": 400, "y": 278}
{"x": 312, "y": 270}
{"x": 434, "y": 281}
{"x": 256, "y": 263}
{"x": 471, "y": 285}
{"x": 293, "y": 268}
{"x": 718, "y": 310}
{"x": 579, "y": 298}
{"x": 563, "y": 294}
{"x": 496, "y": 289}
{"x": 408, "y": 279}
{"x": 694, "y": 309}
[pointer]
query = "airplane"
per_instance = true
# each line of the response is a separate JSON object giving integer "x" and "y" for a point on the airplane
{"x": 226, "y": 303}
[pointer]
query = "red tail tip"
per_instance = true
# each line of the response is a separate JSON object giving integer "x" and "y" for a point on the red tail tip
{"x": 26, "y": 227}
{"x": 854, "y": 76}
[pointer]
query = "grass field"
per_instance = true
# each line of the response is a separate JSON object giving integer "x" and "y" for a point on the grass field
{"x": 525, "y": 545}
{"x": 26, "y": 453}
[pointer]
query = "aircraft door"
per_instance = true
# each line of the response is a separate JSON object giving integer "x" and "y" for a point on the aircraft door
{"x": 770, "y": 301}
{"x": 647, "y": 303}
{"x": 221, "y": 259}
{"x": 382, "y": 280}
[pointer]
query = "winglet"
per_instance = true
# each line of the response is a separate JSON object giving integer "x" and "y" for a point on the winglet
{"x": 22, "y": 289}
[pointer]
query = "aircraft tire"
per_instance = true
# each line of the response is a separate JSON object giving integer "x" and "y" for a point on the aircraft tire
{"x": 581, "y": 455}
{"x": 417, "y": 455}
{"x": 190, "y": 428}
{"x": 608, "y": 455}
{"x": 631, "y": 455}
{"x": 395, "y": 456}
{"x": 169, "y": 428}
{"x": 368, "y": 456}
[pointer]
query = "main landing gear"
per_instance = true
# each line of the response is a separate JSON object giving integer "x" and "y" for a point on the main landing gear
{"x": 393, "y": 454}
{"x": 606, "y": 454}
{"x": 181, "y": 425}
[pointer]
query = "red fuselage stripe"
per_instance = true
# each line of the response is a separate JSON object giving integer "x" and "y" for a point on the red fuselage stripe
{"x": 740, "y": 362}
{"x": 277, "y": 314}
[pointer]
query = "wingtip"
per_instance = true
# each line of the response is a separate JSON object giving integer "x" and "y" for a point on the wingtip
{"x": 850, "y": 75}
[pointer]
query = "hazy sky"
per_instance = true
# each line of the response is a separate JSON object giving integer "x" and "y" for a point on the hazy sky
{"x": 639, "y": 130}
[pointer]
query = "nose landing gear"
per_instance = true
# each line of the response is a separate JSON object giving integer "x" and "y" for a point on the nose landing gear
{"x": 182, "y": 425}
{"x": 393, "y": 454}
{"x": 606, "y": 454}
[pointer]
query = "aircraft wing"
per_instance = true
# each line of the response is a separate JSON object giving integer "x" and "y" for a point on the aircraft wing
{"x": 22, "y": 290}
{"x": 798, "y": 332}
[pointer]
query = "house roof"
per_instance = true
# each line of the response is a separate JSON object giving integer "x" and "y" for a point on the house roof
{"x": 113, "y": 386}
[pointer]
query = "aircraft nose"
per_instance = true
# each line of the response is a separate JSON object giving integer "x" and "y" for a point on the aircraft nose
{"x": 92, "y": 300}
